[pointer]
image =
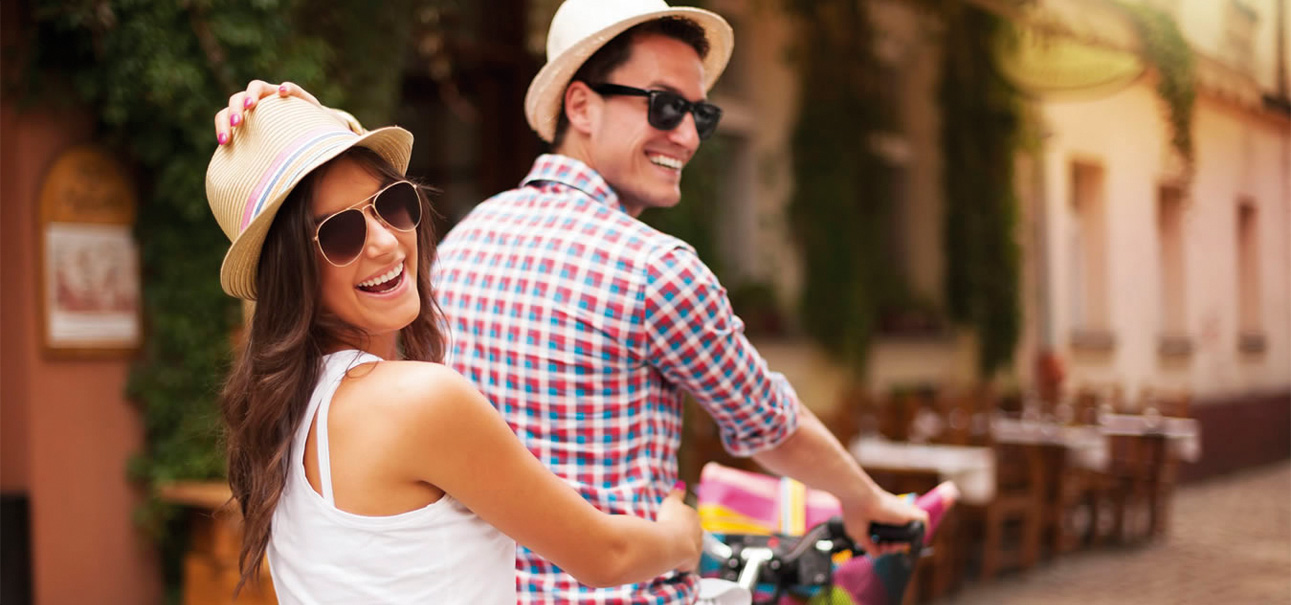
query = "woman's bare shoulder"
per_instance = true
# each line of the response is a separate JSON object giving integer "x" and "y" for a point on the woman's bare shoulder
{"x": 408, "y": 389}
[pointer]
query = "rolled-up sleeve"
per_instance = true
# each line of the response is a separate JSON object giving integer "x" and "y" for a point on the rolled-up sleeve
{"x": 697, "y": 343}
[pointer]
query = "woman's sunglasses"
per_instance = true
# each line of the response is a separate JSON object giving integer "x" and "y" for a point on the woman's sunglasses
{"x": 341, "y": 236}
{"x": 668, "y": 109}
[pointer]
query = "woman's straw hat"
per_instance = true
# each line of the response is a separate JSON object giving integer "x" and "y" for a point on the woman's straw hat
{"x": 282, "y": 140}
{"x": 582, "y": 27}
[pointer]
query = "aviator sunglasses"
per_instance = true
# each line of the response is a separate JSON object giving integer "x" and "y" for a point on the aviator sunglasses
{"x": 341, "y": 236}
{"x": 667, "y": 108}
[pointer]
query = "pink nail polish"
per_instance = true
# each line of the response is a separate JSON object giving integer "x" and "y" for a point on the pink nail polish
{"x": 282, "y": 90}
{"x": 679, "y": 486}
{"x": 235, "y": 119}
{"x": 222, "y": 138}
{"x": 247, "y": 102}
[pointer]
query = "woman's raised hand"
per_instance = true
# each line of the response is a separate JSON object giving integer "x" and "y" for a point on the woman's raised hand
{"x": 228, "y": 119}
{"x": 683, "y": 521}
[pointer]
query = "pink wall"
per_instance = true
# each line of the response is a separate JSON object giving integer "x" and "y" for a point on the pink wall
{"x": 67, "y": 430}
{"x": 16, "y": 311}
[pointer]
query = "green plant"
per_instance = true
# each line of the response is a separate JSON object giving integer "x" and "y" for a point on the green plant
{"x": 155, "y": 72}
{"x": 1167, "y": 50}
{"x": 982, "y": 120}
{"x": 695, "y": 219}
{"x": 842, "y": 193}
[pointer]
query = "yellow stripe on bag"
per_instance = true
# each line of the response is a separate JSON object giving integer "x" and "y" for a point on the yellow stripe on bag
{"x": 718, "y": 519}
{"x": 793, "y": 507}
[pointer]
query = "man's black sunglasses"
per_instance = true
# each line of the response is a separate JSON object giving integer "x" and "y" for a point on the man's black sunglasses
{"x": 668, "y": 109}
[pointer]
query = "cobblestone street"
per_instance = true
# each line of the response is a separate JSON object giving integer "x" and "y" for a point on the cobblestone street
{"x": 1230, "y": 542}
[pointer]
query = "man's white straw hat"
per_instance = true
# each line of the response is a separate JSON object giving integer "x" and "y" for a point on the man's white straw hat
{"x": 582, "y": 27}
{"x": 282, "y": 140}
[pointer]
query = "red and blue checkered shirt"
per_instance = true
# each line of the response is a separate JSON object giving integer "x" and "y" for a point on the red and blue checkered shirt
{"x": 584, "y": 326}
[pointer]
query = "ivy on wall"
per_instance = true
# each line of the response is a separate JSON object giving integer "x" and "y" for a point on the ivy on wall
{"x": 981, "y": 126}
{"x": 1167, "y": 50}
{"x": 841, "y": 193}
{"x": 844, "y": 192}
{"x": 696, "y": 219}
{"x": 155, "y": 72}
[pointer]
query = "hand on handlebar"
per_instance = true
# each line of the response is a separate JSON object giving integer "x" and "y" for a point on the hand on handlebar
{"x": 683, "y": 522}
{"x": 885, "y": 509}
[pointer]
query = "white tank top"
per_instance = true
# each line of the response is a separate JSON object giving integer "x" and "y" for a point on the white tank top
{"x": 441, "y": 553}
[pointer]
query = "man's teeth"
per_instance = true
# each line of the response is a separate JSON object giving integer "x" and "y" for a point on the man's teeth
{"x": 381, "y": 279}
{"x": 666, "y": 162}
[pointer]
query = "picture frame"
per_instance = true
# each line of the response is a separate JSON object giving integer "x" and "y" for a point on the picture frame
{"x": 89, "y": 276}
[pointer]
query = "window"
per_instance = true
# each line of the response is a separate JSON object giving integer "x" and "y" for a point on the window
{"x": 1088, "y": 257}
{"x": 1250, "y": 332}
{"x": 1174, "y": 340}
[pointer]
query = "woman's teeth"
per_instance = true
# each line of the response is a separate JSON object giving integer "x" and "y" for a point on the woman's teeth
{"x": 666, "y": 162}
{"x": 384, "y": 278}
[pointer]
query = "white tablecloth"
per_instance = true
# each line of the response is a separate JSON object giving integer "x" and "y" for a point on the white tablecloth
{"x": 1183, "y": 434}
{"x": 1090, "y": 447}
{"x": 1087, "y": 445}
{"x": 971, "y": 468}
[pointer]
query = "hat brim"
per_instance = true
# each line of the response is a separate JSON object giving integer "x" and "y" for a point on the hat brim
{"x": 237, "y": 273}
{"x": 545, "y": 98}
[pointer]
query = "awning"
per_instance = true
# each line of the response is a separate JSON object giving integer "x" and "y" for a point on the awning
{"x": 1067, "y": 47}
{"x": 1092, "y": 47}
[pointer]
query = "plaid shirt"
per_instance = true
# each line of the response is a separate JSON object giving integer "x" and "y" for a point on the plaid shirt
{"x": 584, "y": 326}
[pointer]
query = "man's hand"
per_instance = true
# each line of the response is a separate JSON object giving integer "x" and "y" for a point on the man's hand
{"x": 228, "y": 119}
{"x": 883, "y": 508}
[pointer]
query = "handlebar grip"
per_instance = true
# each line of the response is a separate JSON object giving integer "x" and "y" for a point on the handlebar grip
{"x": 910, "y": 533}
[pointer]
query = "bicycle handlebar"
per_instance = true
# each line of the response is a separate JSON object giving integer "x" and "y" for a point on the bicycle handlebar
{"x": 783, "y": 561}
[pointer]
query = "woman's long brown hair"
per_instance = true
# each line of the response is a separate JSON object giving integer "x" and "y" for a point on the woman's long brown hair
{"x": 266, "y": 395}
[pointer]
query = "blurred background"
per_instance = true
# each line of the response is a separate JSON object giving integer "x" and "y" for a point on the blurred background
{"x": 1039, "y": 247}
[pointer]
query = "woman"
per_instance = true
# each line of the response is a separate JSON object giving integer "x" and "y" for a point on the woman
{"x": 365, "y": 473}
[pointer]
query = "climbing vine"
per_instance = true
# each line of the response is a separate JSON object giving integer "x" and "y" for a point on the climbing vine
{"x": 982, "y": 121}
{"x": 841, "y": 193}
{"x": 155, "y": 72}
{"x": 1167, "y": 50}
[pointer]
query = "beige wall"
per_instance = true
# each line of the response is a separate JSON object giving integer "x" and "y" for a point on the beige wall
{"x": 67, "y": 430}
{"x": 1240, "y": 154}
{"x": 1204, "y": 23}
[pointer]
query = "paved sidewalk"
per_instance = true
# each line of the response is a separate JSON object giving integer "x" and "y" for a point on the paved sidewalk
{"x": 1230, "y": 542}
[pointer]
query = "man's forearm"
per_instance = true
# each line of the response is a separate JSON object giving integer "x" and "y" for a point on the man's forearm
{"x": 814, "y": 456}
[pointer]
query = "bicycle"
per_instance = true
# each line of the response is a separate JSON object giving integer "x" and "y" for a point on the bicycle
{"x": 780, "y": 564}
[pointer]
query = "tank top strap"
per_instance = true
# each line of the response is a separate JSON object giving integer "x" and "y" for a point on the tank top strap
{"x": 335, "y": 366}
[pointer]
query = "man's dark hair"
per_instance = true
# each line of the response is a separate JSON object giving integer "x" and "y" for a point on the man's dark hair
{"x": 616, "y": 52}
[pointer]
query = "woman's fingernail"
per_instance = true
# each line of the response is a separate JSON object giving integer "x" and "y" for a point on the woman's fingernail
{"x": 247, "y": 102}
{"x": 282, "y": 90}
{"x": 235, "y": 119}
{"x": 680, "y": 486}
{"x": 222, "y": 138}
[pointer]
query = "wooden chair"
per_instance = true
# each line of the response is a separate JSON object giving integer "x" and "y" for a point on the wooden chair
{"x": 1141, "y": 467}
{"x": 1019, "y": 505}
{"x": 215, "y": 539}
{"x": 1010, "y": 525}
{"x": 939, "y": 573}
{"x": 1080, "y": 505}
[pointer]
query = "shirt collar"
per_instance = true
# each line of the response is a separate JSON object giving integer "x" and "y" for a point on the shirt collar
{"x": 555, "y": 168}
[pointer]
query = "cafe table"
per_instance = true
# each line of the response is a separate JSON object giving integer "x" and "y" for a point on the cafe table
{"x": 971, "y": 468}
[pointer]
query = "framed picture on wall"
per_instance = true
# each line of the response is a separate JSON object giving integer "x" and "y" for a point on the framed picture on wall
{"x": 89, "y": 278}
{"x": 91, "y": 287}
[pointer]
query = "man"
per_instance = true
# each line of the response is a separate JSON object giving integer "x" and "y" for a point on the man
{"x": 585, "y": 326}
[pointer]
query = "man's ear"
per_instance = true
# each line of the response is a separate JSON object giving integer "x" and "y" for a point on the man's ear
{"x": 582, "y": 108}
